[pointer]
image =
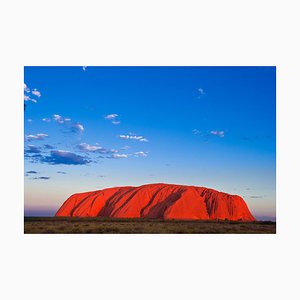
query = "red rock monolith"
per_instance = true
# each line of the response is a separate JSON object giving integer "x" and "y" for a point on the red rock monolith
{"x": 157, "y": 201}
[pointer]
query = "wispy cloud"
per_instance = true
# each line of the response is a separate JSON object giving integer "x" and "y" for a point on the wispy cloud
{"x": 57, "y": 157}
{"x": 26, "y": 88}
{"x": 125, "y": 148}
{"x": 89, "y": 148}
{"x": 218, "y": 133}
{"x": 84, "y": 147}
{"x": 36, "y": 93}
{"x": 256, "y": 197}
{"x": 116, "y": 156}
{"x": 31, "y": 172}
{"x": 74, "y": 127}
{"x": 77, "y": 127}
{"x": 206, "y": 135}
{"x": 201, "y": 92}
{"x": 133, "y": 137}
{"x": 47, "y": 146}
{"x": 140, "y": 154}
{"x": 29, "y": 120}
{"x": 27, "y": 98}
{"x": 61, "y": 172}
{"x": 32, "y": 149}
{"x": 59, "y": 119}
{"x": 41, "y": 177}
{"x": 34, "y": 157}
{"x": 115, "y": 122}
{"x": 39, "y": 136}
{"x": 113, "y": 118}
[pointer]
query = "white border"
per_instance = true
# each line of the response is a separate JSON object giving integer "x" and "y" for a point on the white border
{"x": 149, "y": 33}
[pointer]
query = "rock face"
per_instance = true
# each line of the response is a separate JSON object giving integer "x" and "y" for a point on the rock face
{"x": 157, "y": 201}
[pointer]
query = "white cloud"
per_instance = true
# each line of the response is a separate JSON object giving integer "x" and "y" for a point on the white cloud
{"x": 140, "y": 154}
{"x": 84, "y": 68}
{"x": 36, "y": 93}
{"x": 84, "y": 147}
{"x": 29, "y": 120}
{"x": 59, "y": 119}
{"x": 39, "y": 136}
{"x": 32, "y": 149}
{"x": 87, "y": 147}
{"x": 26, "y": 88}
{"x": 46, "y": 120}
{"x": 218, "y": 133}
{"x": 125, "y": 148}
{"x": 133, "y": 137}
{"x": 119, "y": 156}
{"x": 77, "y": 127}
{"x": 196, "y": 131}
{"x": 57, "y": 157}
{"x": 201, "y": 91}
{"x": 27, "y": 98}
{"x": 111, "y": 116}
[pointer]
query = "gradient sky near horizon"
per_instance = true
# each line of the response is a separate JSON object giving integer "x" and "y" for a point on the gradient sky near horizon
{"x": 89, "y": 128}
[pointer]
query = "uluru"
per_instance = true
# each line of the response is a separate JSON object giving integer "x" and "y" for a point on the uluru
{"x": 157, "y": 201}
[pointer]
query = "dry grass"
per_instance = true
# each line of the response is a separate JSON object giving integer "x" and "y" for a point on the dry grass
{"x": 104, "y": 225}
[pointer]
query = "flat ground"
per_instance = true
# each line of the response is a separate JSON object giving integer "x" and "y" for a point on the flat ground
{"x": 103, "y": 225}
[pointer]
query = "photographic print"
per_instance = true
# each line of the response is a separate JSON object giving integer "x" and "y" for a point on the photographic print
{"x": 158, "y": 150}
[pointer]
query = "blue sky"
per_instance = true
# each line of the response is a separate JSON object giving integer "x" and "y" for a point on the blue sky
{"x": 88, "y": 128}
